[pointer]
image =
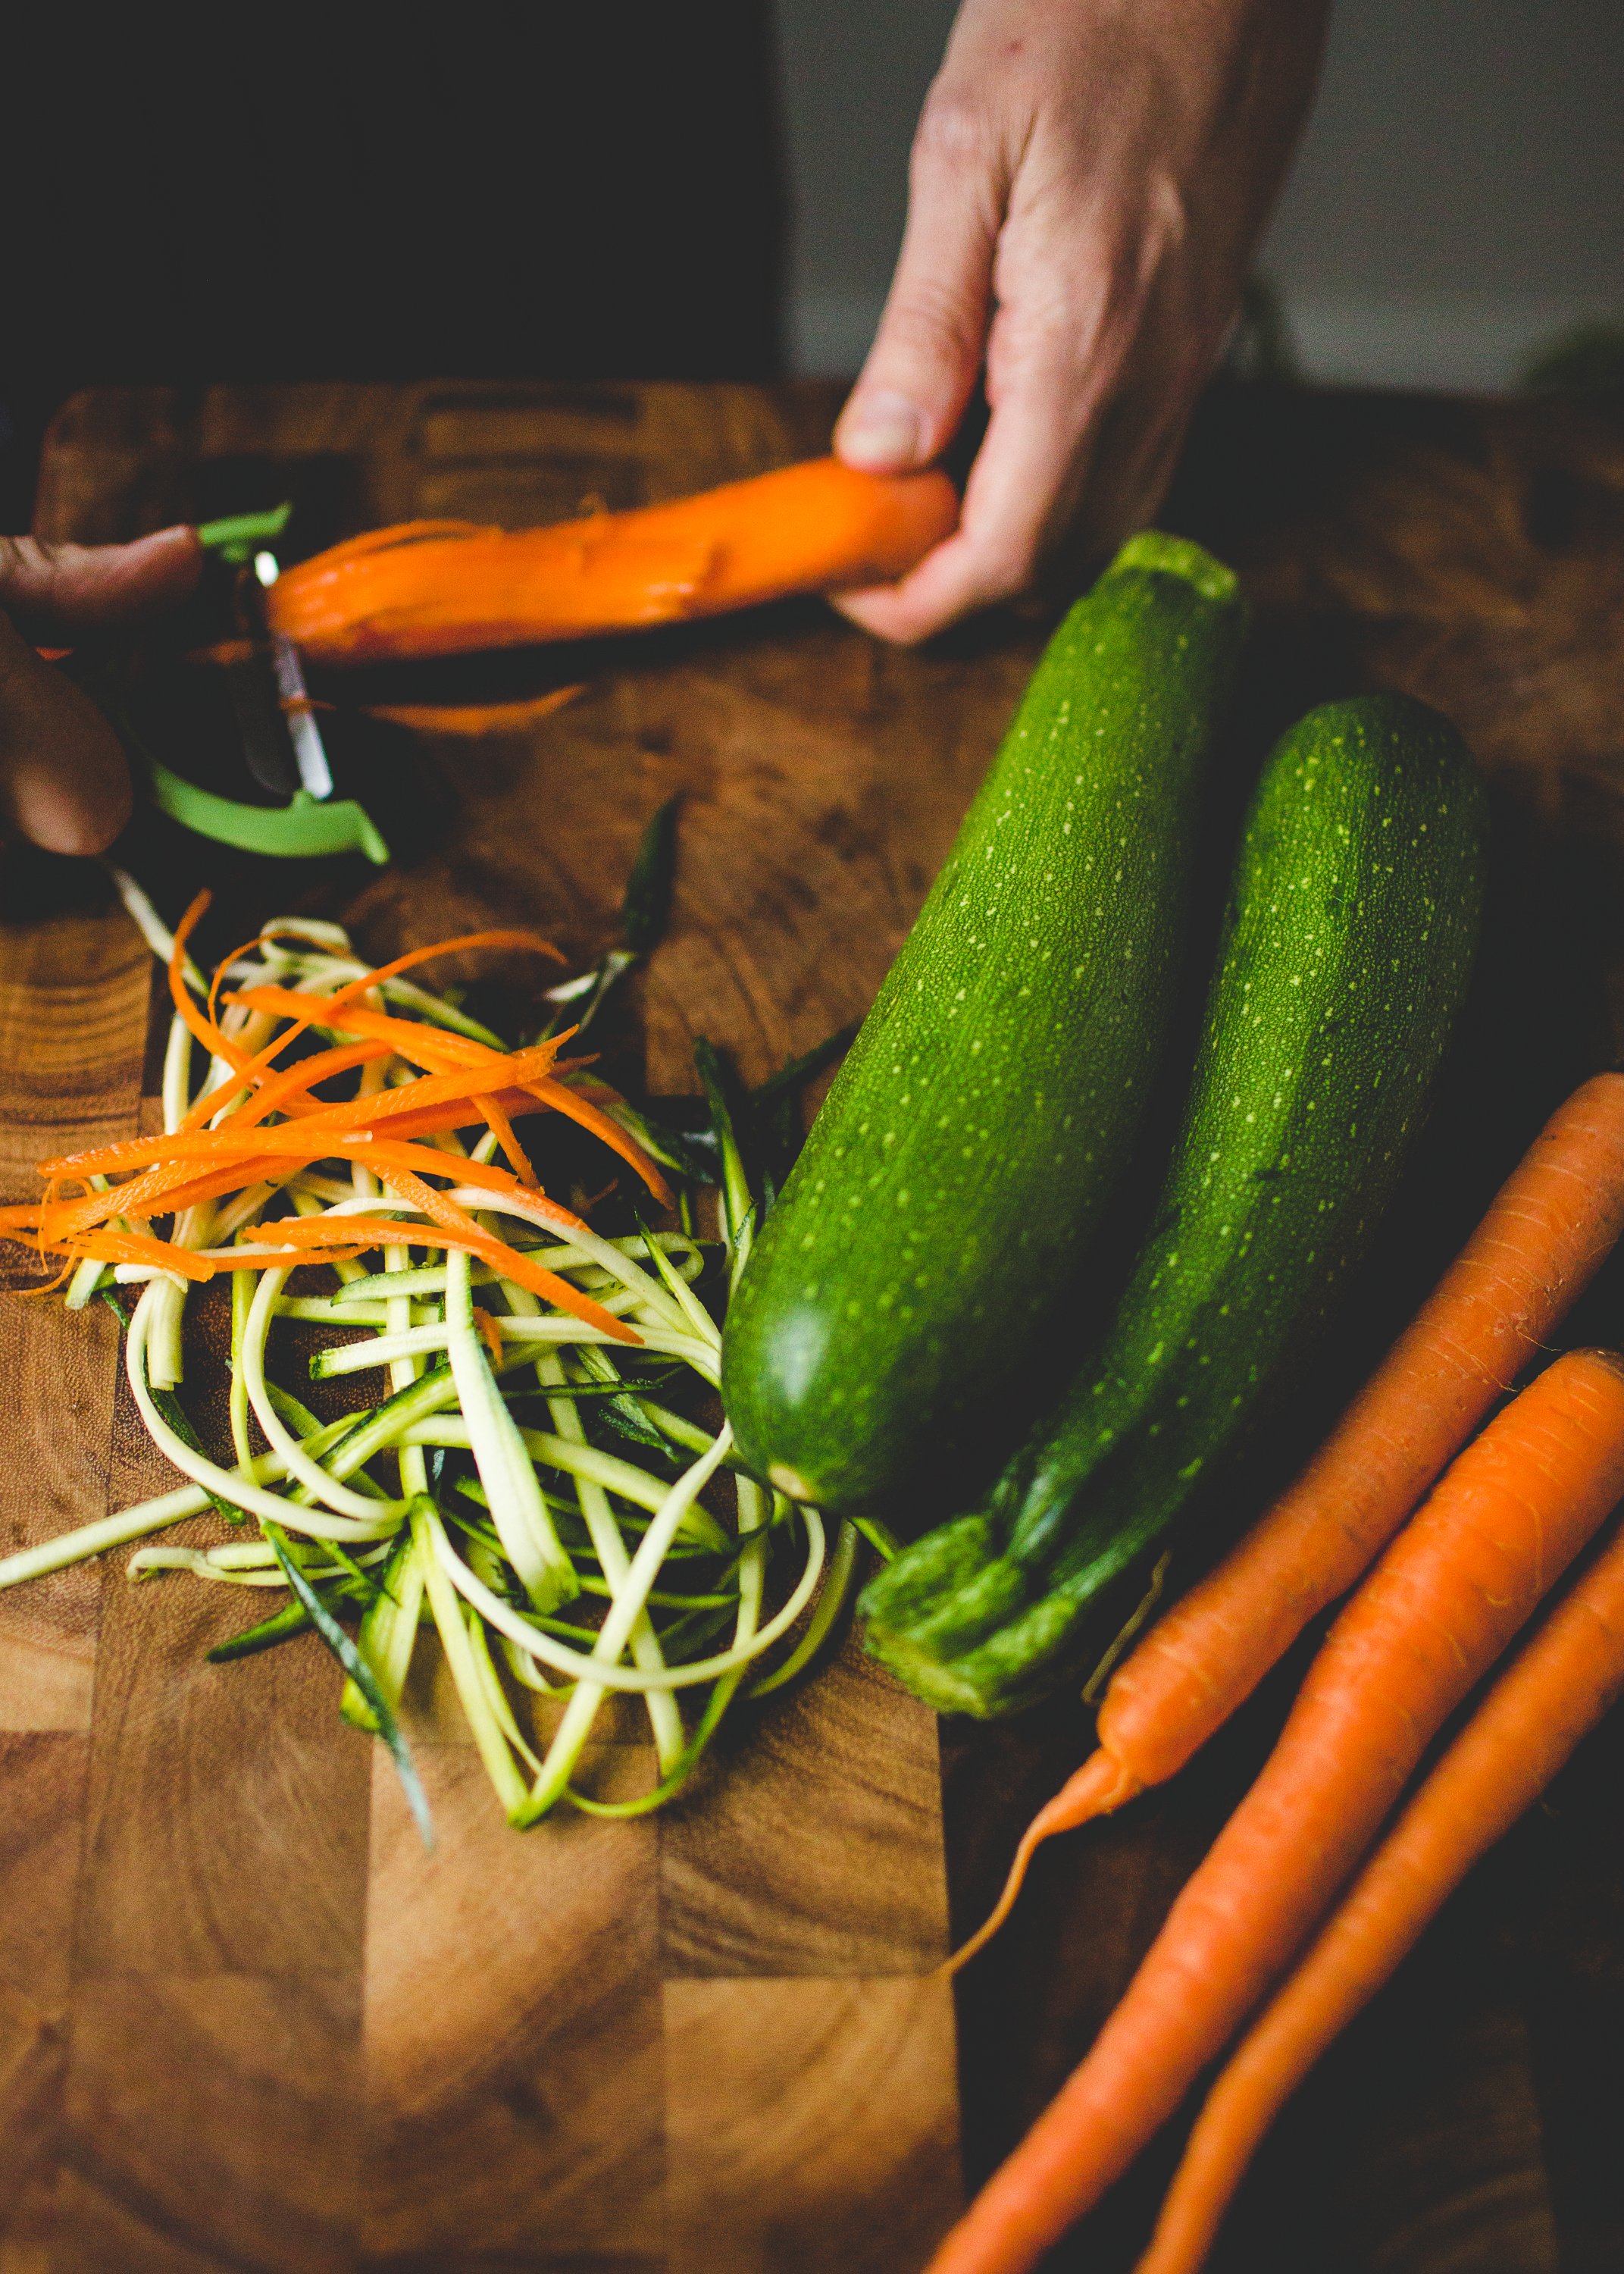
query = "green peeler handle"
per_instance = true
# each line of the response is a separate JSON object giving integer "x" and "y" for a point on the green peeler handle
{"x": 304, "y": 830}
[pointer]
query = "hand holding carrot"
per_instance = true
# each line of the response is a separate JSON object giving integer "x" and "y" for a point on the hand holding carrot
{"x": 1088, "y": 184}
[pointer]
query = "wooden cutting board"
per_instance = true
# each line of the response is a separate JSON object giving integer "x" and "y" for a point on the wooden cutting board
{"x": 246, "y": 2022}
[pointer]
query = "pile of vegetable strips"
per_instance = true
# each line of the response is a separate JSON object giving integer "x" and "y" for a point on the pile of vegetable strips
{"x": 530, "y": 1478}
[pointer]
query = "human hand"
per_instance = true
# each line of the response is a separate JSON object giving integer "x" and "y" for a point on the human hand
{"x": 1088, "y": 184}
{"x": 63, "y": 783}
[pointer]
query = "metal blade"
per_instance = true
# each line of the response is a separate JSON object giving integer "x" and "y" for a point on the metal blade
{"x": 259, "y": 723}
{"x": 309, "y": 750}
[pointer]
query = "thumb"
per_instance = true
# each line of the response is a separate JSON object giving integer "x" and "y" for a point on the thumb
{"x": 63, "y": 783}
{"x": 53, "y": 592}
{"x": 928, "y": 351}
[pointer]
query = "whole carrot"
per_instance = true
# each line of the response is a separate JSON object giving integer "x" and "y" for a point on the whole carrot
{"x": 1445, "y": 1598}
{"x": 445, "y": 588}
{"x": 1548, "y": 1230}
{"x": 1562, "y": 1683}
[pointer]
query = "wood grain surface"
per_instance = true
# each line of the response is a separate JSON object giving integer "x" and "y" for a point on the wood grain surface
{"x": 245, "y": 2022}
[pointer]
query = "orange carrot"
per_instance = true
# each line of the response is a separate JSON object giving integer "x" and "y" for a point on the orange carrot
{"x": 1562, "y": 1683}
{"x": 1441, "y": 1605}
{"x": 426, "y": 589}
{"x": 1548, "y": 1230}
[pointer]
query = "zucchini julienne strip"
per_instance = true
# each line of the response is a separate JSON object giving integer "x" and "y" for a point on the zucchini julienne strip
{"x": 660, "y": 1577}
{"x": 359, "y": 1671}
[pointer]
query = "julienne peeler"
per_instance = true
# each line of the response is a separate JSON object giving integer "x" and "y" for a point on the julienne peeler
{"x": 281, "y": 740}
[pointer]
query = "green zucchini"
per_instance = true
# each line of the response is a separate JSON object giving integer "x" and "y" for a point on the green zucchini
{"x": 940, "y": 1208}
{"x": 1348, "y": 944}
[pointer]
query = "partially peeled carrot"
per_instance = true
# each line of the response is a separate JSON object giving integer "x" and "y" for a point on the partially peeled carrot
{"x": 447, "y": 587}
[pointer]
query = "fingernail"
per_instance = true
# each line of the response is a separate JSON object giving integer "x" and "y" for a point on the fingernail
{"x": 879, "y": 429}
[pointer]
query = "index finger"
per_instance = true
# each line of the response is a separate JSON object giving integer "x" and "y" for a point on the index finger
{"x": 1026, "y": 477}
{"x": 63, "y": 782}
{"x": 52, "y": 591}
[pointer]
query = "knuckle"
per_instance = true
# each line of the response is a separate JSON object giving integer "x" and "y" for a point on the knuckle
{"x": 954, "y": 130}
{"x": 25, "y": 566}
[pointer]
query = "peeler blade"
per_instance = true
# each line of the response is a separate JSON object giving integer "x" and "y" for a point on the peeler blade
{"x": 309, "y": 750}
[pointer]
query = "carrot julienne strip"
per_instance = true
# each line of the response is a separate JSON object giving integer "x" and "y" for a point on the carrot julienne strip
{"x": 552, "y": 1093}
{"x": 582, "y": 1110}
{"x": 164, "y": 1254}
{"x": 221, "y": 969}
{"x": 433, "y": 1047}
{"x": 512, "y": 1262}
{"x": 307, "y": 1013}
{"x": 242, "y": 1130}
{"x": 518, "y": 1159}
{"x": 141, "y": 1247}
{"x": 207, "y": 1032}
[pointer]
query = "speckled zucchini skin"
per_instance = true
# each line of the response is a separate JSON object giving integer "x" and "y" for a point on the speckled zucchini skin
{"x": 949, "y": 1184}
{"x": 1349, "y": 942}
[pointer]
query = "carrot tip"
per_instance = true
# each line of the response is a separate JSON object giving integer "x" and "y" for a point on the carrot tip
{"x": 1100, "y": 1786}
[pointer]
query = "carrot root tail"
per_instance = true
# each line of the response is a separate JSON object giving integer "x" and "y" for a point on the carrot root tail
{"x": 1100, "y": 1786}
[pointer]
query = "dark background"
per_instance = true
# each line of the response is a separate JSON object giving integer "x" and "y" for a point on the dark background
{"x": 361, "y": 192}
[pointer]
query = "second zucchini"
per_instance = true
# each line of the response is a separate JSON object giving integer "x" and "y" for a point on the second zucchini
{"x": 1347, "y": 951}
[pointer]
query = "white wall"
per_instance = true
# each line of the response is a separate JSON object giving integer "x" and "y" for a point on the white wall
{"x": 1459, "y": 196}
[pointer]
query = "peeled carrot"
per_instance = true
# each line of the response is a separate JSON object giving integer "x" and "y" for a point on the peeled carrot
{"x": 1562, "y": 1683}
{"x": 1444, "y": 1601}
{"x": 438, "y": 587}
{"x": 1548, "y": 1230}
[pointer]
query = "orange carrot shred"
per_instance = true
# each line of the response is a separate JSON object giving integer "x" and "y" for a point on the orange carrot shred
{"x": 204, "y": 1030}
